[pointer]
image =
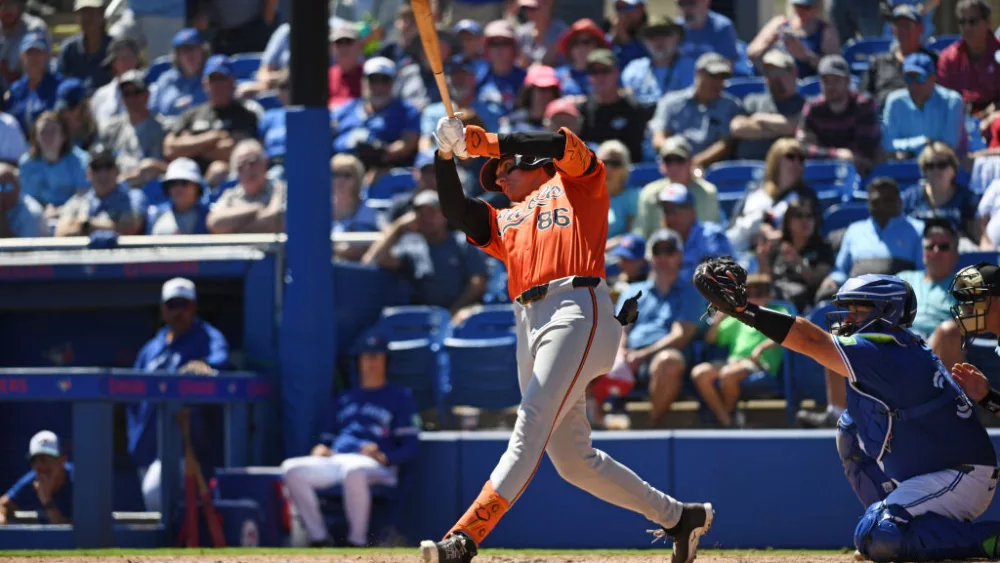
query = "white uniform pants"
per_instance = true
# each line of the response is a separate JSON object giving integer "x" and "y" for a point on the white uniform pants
{"x": 150, "y": 478}
{"x": 951, "y": 493}
{"x": 356, "y": 473}
{"x": 564, "y": 341}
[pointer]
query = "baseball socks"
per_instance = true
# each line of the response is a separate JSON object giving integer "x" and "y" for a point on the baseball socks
{"x": 459, "y": 544}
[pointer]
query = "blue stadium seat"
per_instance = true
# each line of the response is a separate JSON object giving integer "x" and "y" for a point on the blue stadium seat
{"x": 643, "y": 173}
{"x": 482, "y": 357}
{"x": 858, "y": 51}
{"x": 842, "y": 215}
{"x": 833, "y": 180}
{"x": 938, "y": 44}
{"x": 491, "y": 321}
{"x": 906, "y": 173}
{"x": 245, "y": 65}
{"x": 741, "y": 87}
{"x": 416, "y": 334}
{"x": 733, "y": 179}
{"x": 396, "y": 181}
{"x": 269, "y": 100}
{"x": 804, "y": 377}
{"x": 158, "y": 67}
{"x": 743, "y": 66}
{"x": 971, "y": 258}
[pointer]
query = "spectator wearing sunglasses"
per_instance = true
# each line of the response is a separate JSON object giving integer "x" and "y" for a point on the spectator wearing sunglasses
{"x": 629, "y": 18}
{"x": 123, "y": 56}
{"x": 20, "y": 215}
{"x": 610, "y": 112}
{"x": 107, "y": 206}
{"x": 701, "y": 240}
{"x": 676, "y": 167}
{"x": 940, "y": 196}
{"x": 922, "y": 112}
{"x": 185, "y": 212}
{"x": 503, "y": 78}
{"x": 934, "y": 321}
{"x": 621, "y": 213}
{"x": 541, "y": 87}
{"x": 969, "y": 66}
{"x": 772, "y": 114}
{"x": 800, "y": 260}
{"x": 666, "y": 69}
{"x": 136, "y": 135}
{"x": 575, "y": 45}
{"x": 885, "y": 70}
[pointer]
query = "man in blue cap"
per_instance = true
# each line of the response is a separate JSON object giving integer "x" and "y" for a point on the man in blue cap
{"x": 701, "y": 240}
{"x": 373, "y": 429}
{"x": 179, "y": 88}
{"x": 631, "y": 255}
{"x": 461, "y": 72}
{"x": 470, "y": 39}
{"x": 923, "y": 111}
{"x": 35, "y": 91}
{"x": 885, "y": 70}
{"x": 15, "y": 23}
{"x": 208, "y": 132}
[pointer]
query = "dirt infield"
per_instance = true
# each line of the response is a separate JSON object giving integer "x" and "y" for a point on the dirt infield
{"x": 319, "y": 556}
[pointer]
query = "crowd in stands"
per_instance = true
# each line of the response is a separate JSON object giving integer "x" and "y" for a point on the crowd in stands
{"x": 713, "y": 146}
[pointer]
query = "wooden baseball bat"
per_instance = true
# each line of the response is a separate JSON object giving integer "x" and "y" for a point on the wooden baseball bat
{"x": 428, "y": 36}
{"x": 193, "y": 470}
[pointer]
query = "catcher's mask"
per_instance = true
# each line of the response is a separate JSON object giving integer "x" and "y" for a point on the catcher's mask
{"x": 488, "y": 174}
{"x": 892, "y": 301}
{"x": 972, "y": 288}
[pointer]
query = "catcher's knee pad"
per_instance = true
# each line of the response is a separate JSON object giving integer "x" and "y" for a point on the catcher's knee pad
{"x": 864, "y": 475}
{"x": 879, "y": 535}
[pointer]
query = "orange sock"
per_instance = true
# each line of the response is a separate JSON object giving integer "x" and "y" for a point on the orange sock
{"x": 480, "y": 519}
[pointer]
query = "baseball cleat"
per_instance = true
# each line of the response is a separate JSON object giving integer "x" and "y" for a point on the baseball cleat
{"x": 456, "y": 548}
{"x": 696, "y": 520}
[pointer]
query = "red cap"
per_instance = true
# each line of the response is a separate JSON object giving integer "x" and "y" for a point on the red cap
{"x": 585, "y": 25}
{"x": 561, "y": 105}
{"x": 542, "y": 76}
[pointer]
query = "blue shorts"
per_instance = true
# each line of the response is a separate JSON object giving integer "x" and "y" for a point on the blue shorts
{"x": 759, "y": 385}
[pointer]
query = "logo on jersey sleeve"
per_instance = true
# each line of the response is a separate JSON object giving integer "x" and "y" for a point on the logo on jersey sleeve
{"x": 515, "y": 216}
{"x": 847, "y": 340}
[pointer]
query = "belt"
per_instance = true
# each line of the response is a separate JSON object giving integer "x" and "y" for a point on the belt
{"x": 539, "y": 292}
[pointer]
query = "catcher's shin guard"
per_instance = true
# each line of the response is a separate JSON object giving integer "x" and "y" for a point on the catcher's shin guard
{"x": 889, "y": 533}
{"x": 864, "y": 475}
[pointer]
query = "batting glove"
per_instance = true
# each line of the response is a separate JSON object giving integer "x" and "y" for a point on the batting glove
{"x": 450, "y": 136}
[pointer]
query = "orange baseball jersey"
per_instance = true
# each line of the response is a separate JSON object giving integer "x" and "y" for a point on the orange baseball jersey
{"x": 560, "y": 230}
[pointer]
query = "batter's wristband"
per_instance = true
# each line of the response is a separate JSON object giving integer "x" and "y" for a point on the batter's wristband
{"x": 772, "y": 324}
{"x": 991, "y": 401}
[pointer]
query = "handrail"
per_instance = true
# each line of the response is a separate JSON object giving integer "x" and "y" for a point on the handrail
{"x": 141, "y": 241}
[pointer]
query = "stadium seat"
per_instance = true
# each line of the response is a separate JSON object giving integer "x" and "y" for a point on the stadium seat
{"x": 733, "y": 179}
{"x": 743, "y": 66}
{"x": 482, "y": 354}
{"x": 158, "y": 67}
{"x": 269, "y": 100}
{"x": 858, "y": 51}
{"x": 396, "y": 181}
{"x": 906, "y": 173}
{"x": 245, "y": 65}
{"x": 841, "y": 215}
{"x": 938, "y": 44}
{"x": 416, "y": 334}
{"x": 833, "y": 180}
{"x": 741, "y": 87}
{"x": 643, "y": 173}
{"x": 491, "y": 321}
{"x": 971, "y": 258}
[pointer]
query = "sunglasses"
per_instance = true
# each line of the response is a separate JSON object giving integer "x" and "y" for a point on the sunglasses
{"x": 583, "y": 42}
{"x": 249, "y": 160}
{"x": 343, "y": 175}
{"x": 664, "y": 249}
{"x": 177, "y": 304}
{"x": 913, "y": 78}
{"x": 963, "y": 22}
{"x": 497, "y": 44}
{"x": 598, "y": 70}
{"x": 132, "y": 92}
{"x": 102, "y": 166}
{"x": 937, "y": 165}
{"x": 344, "y": 42}
{"x": 673, "y": 160}
{"x": 614, "y": 163}
{"x": 218, "y": 78}
{"x": 379, "y": 79}
{"x": 798, "y": 157}
{"x": 801, "y": 216}
{"x": 940, "y": 246}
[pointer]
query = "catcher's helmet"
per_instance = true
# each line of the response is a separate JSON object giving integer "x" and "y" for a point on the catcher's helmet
{"x": 488, "y": 174}
{"x": 972, "y": 288}
{"x": 893, "y": 304}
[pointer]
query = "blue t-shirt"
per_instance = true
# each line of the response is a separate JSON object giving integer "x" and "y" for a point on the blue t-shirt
{"x": 272, "y": 133}
{"x": 649, "y": 83}
{"x": 172, "y": 94}
{"x": 364, "y": 220}
{"x": 501, "y": 90}
{"x": 706, "y": 240}
{"x": 202, "y": 342}
{"x": 439, "y": 272}
{"x": 57, "y": 182}
{"x": 907, "y": 128}
{"x": 658, "y": 312}
{"x": 899, "y": 370}
{"x": 718, "y": 35}
{"x": 959, "y": 210}
{"x": 75, "y": 62}
{"x": 23, "y": 495}
{"x": 867, "y": 248}
{"x": 26, "y": 104}
{"x": 701, "y": 124}
{"x": 573, "y": 82}
{"x": 352, "y": 124}
{"x": 628, "y": 52}
{"x": 386, "y": 416}
{"x": 933, "y": 299}
{"x": 624, "y": 206}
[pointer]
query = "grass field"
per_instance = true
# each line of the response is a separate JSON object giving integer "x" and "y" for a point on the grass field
{"x": 403, "y": 555}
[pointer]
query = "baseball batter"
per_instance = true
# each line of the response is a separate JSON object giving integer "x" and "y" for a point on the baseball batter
{"x": 552, "y": 241}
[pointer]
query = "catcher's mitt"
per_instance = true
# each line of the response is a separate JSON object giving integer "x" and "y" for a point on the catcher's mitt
{"x": 723, "y": 283}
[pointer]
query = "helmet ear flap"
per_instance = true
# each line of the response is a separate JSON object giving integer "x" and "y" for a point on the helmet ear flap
{"x": 909, "y": 306}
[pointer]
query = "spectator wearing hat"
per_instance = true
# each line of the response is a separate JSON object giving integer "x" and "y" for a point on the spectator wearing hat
{"x": 701, "y": 114}
{"x": 676, "y": 167}
{"x": 541, "y": 87}
{"x": 463, "y": 84}
{"x": 186, "y": 344}
{"x": 185, "y": 211}
{"x": 256, "y": 204}
{"x": 922, "y": 112}
{"x": 123, "y": 56}
{"x": 924, "y": 10}
{"x": 382, "y": 129}
{"x": 802, "y": 32}
{"x": 107, "y": 205}
{"x": 666, "y": 69}
{"x": 655, "y": 348}
{"x": 35, "y": 91}
{"x": 13, "y": 143}
{"x": 701, "y": 240}
{"x": 73, "y": 107}
{"x": 574, "y": 46}
{"x": 630, "y": 254}
{"x": 208, "y": 132}
{"x": 503, "y": 79}
{"x": 20, "y": 215}
{"x": 610, "y": 112}
{"x": 769, "y": 115}
{"x": 885, "y": 70}
{"x": 349, "y": 215}
{"x": 52, "y": 170}
{"x": 47, "y": 489}
{"x": 537, "y": 37}
{"x": 443, "y": 267}
{"x": 373, "y": 429}
{"x": 415, "y": 82}
{"x": 840, "y": 123}
{"x": 344, "y": 76}
{"x": 180, "y": 88}
{"x": 970, "y": 65}
{"x": 82, "y": 55}
{"x": 136, "y": 135}
{"x": 706, "y": 31}
{"x": 630, "y": 16}
{"x": 563, "y": 113}
{"x": 469, "y": 35}
{"x": 15, "y": 24}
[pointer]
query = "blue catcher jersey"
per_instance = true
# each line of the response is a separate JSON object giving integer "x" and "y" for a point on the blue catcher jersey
{"x": 912, "y": 416}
